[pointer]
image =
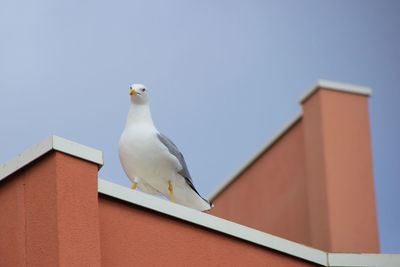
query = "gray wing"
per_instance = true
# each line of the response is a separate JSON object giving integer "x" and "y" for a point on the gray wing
{"x": 173, "y": 149}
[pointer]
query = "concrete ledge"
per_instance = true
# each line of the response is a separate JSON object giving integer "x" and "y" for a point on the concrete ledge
{"x": 344, "y": 87}
{"x": 365, "y": 260}
{"x": 51, "y": 143}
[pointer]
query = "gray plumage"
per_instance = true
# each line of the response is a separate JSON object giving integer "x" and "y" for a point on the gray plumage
{"x": 173, "y": 149}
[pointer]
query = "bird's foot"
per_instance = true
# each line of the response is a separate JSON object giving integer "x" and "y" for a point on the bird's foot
{"x": 134, "y": 186}
{"x": 171, "y": 191}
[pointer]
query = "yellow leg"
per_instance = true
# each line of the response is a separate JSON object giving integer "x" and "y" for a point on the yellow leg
{"x": 134, "y": 186}
{"x": 171, "y": 190}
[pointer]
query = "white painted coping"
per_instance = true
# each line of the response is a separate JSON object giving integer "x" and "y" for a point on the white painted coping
{"x": 329, "y": 85}
{"x": 364, "y": 260}
{"x": 255, "y": 156}
{"x": 52, "y": 142}
{"x": 205, "y": 220}
{"x": 245, "y": 233}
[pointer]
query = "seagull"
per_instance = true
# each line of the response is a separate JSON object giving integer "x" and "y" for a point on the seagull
{"x": 151, "y": 160}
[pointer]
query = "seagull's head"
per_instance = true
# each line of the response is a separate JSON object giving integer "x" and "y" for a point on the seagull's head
{"x": 139, "y": 94}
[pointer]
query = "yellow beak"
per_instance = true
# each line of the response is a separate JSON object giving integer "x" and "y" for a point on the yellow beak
{"x": 133, "y": 92}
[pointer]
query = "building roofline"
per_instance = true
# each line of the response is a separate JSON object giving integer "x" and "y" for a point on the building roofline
{"x": 329, "y": 85}
{"x": 52, "y": 142}
{"x": 255, "y": 156}
{"x": 245, "y": 233}
{"x": 193, "y": 216}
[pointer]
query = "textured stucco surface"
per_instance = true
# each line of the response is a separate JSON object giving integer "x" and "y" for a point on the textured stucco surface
{"x": 49, "y": 214}
{"x": 131, "y": 236}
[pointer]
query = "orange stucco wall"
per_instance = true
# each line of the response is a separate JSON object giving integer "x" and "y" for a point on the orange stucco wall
{"x": 131, "y": 236}
{"x": 315, "y": 184}
{"x": 52, "y": 215}
{"x": 271, "y": 194}
{"x": 341, "y": 190}
{"x": 45, "y": 213}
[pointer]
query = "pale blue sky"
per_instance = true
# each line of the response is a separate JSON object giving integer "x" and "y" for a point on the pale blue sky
{"x": 224, "y": 76}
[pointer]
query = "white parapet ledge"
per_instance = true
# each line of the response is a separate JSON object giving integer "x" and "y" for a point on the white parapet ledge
{"x": 364, "y": 260}
{"x": 52, "y": 142}
{"x": 329, "y": 85}
{"x": 211, "y": 222}
{"x": 255, "y": 156}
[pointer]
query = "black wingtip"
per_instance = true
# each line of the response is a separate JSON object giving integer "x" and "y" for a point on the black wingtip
{"x": 209, "y": 203}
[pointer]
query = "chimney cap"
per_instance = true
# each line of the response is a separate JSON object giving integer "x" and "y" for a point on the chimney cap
{"x": 52, "y": 142}
{"x": 329, "y": 85}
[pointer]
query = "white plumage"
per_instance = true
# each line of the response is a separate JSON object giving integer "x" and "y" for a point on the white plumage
{"x": 151, "y": 160}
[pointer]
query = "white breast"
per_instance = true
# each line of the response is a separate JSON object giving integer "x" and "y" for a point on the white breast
{"x": 144, "y": 156}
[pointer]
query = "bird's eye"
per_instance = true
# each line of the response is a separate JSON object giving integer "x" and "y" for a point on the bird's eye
{"x": 144, "y": 89}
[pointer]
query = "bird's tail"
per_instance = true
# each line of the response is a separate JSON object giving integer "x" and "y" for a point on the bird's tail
{"x": 191, "y": 199}
{"x": 210, "y": 205}
{"x": 204, "y": 205}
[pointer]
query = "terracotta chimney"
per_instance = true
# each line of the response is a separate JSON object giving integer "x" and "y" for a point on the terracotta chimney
{"x": 313, "y": 182}
{"x": 340, "y": 182}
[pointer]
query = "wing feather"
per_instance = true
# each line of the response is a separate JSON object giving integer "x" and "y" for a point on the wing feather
{"x": 173, "y": 149}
